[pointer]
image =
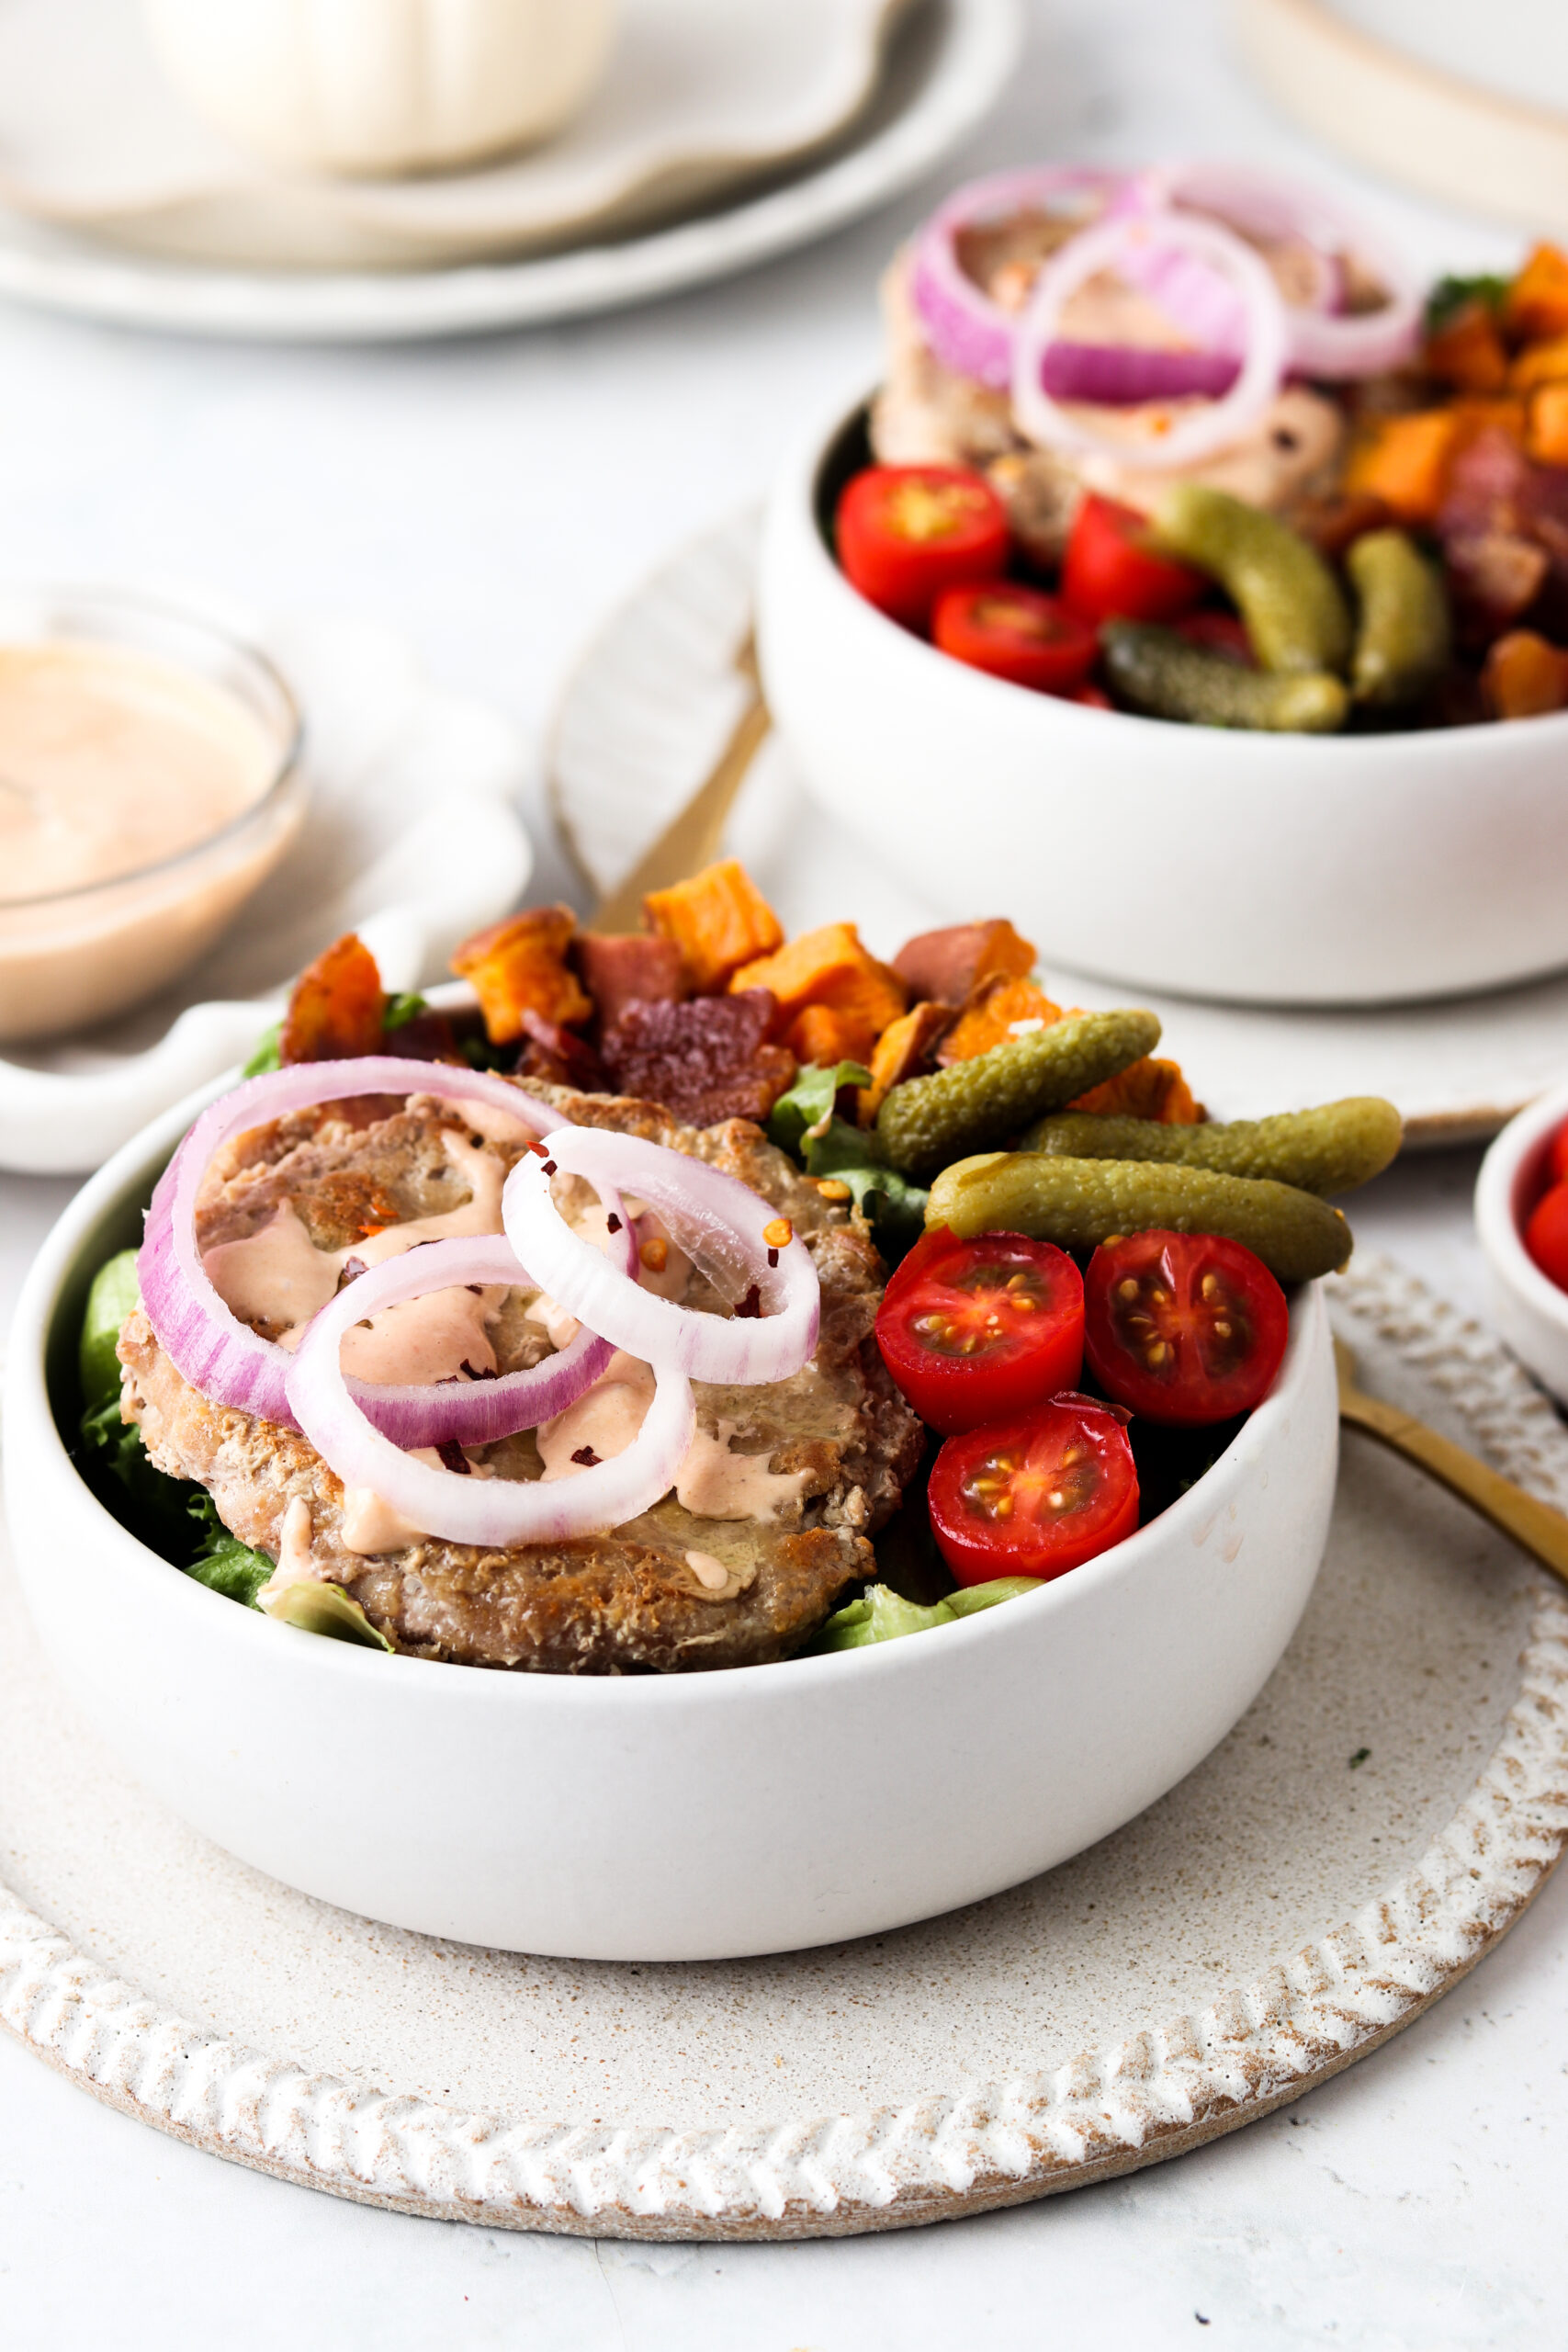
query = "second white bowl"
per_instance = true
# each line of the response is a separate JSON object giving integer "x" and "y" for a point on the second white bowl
{"x": 1529, "y": 1312}
{"x": 1283, "y": 869}
{"x": 687, "y": 1817}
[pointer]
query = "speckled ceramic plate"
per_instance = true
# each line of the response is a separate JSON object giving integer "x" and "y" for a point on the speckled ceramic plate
{"x": 651, "y": 703}
{"x": 1382, "y": 1815}
{"x": 413, "y": 837}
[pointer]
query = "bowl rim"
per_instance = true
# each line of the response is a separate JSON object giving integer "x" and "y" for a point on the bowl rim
{"x": 798, "y": 492}
{"x": 57, "y": 601}
{"x": 1496, "y": 1221}
{"x": 133, "y": 1168}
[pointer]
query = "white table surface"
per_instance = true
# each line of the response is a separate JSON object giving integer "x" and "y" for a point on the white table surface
{"x": 492, "y": 499}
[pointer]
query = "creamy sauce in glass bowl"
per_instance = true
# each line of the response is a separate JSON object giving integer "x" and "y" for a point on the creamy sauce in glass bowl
{"x": 149, "y": 783}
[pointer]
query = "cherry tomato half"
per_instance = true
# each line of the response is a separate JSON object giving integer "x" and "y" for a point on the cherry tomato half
{"x": 1019, "y": 634}
{"x": 1110, "y": 571}
{"x": 908, "y": 532}
{"x": 978, "y": 1332}
{"x": 1546, "y": 1235}
{"x": 1559, "y": 1157}
{"x": 1183, "y": 1328}
{"x": 1035, "y": 1496}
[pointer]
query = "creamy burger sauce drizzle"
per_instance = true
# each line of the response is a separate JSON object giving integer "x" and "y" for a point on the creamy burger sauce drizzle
{"x": 277, "y": 1277}
{"x": 112, "y": 761}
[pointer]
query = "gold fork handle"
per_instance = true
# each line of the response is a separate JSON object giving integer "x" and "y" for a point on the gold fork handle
{"x": 1535, "y": 1526}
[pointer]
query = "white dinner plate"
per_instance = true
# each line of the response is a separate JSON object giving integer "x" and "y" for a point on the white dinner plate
{"x": 947, "y": 64}
{"x": 412, "y": 837}
{"x": 652, "y": 702}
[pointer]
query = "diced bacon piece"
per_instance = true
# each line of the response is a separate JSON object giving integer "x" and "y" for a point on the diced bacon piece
{"x": 552, "y": 1056}
{"x": 718, "y": 919}
{"x": 334, "y": 1014}
{"x": 519, "y": 966}
{"x": 704, "y": 1060}
{"x": 627, "y": 967}
{"x": 1493, "y": 576}
{"x": 946, "y": 967}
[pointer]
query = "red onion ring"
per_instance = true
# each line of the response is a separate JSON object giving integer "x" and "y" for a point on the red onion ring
{"x": 1323, "y": 341}
{"x": 1217, "y": 425}
{"x": 231, "y": 1364}
{"x": 1123, "y": 375}
{"x": 720, "y": 1223}
{"x": 967, "y": 331}
{"x": 499, "y": 1511}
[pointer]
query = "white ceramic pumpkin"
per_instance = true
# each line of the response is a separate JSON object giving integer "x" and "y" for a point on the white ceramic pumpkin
{"x": 382, "y": 87}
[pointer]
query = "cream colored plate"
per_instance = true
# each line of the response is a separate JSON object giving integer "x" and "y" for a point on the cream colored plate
{"x": 1378, "y": 1818}
{"x": 701, "y": 95}
{"x": 1413, "y": 112}
{"x": 945, "y": 70}
{"x": 652, "y": 702}
{"x": 413, "y": 837}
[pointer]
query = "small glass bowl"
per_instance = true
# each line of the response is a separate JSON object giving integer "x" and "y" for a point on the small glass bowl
{"x": 79, "y": 957}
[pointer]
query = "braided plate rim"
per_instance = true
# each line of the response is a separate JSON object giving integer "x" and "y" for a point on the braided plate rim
{"x": 1000, "y": 2143}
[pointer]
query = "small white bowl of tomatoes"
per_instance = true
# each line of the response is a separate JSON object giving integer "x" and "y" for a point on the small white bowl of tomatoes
{"x": 1521, "y": 1220}
{"x": 1073, "y": 1407}
{"x": 946, "y": 709}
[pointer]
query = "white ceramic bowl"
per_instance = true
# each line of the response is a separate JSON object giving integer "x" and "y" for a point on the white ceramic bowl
{"x": 1529, "y": 1312}
{"x": 699, "y": 1817}
{"x": 1283, "y": 869}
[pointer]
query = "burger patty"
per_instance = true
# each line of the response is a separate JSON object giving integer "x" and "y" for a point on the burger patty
{"x": 837, "y": 1435}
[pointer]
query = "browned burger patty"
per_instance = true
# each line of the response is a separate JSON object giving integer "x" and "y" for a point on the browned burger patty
{"x": 627, "y": 1599}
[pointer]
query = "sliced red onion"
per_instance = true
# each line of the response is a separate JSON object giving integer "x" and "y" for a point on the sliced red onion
{"x": 231, "y": 1364}
{"x": 498, "y": 1511}
{"x": 718, "y": 1222}
{"x": 1122, "y": 374}
{"x": 1323, "y": 341}
{"x": 1217, "y": 425}
{"x": 967, "y": 330}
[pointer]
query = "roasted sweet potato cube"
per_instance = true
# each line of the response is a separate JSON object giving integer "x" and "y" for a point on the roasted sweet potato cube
{"x": 336, "y": 1011}
{"x": 1546, "y": 439}
{"x": 1148, "y": 1089}
{"x": 1524, "y": 675}
{"x": 1404, "y": 461}
{"x": 618, "y": 968}
{"x": 825, "y": 1036}
{"x": 1000, "y": 1010}
{"x": 519, "y": 966}
{"x": 830, "y": 966}
{"x": 946, "y": 967}
{"x": 1537, "y": 301}
{"x": 905, "y": 1049}
{"x": 1540, "y": 363}
{"x": 719, "y": 920}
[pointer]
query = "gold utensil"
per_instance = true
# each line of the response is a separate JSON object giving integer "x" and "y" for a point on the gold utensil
{"x": 1534, "y": 1526}
{"x": 691, "y": 837}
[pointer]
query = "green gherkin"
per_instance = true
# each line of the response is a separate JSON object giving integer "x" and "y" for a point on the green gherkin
{"x": 1077, "y": 1203}
{"x": 1157, "y": 673}
{"x": 1294, "y": 608}
{"x": 928, "y": 1120}
{"x": 1330, "y": 1149}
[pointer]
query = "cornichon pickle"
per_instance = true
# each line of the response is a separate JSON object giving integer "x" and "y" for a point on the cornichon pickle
{"x": 1331, "y": 1149}
{"x": 1294, "y": 609}
{"x": 1404, "y": 633}
{"x": 1077, "y": 1203}
{"x": 928, "y": 1120}
{"x": 1157, "y": 671}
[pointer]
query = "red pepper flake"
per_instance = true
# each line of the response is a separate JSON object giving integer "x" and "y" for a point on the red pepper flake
{"x": 612, "y": 1223}
{"x": 779, "y": 1234}
{"x": 587, "y": 1457}
{"x": 453, "y": 1457}
{"x": 468, "y": 1367}
{"x": 655, "y": 1254}
{"x": 772, "y": 1256}
{"x": 537, "y": 1147}
{"x": 751, "y": 1306}
{"x": 549, "y": 1167}
{"x": 352, "y": 1270}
